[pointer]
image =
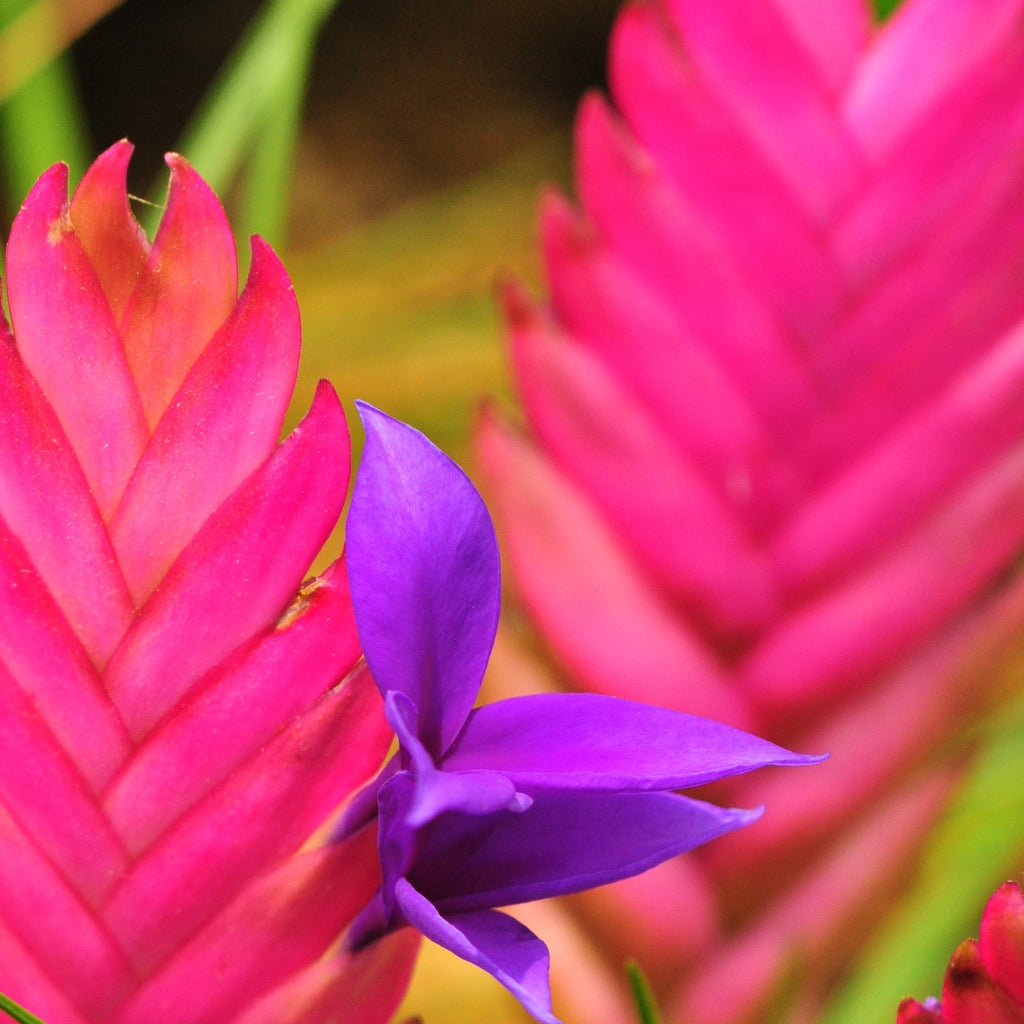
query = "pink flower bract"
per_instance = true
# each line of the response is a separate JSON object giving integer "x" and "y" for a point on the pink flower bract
{"x": 181, "y": 715}
{"x": 985, "y": 979}
{"x": 773, "y": 471}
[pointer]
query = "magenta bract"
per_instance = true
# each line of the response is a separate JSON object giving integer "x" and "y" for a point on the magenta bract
{"x": 985, "y": 979}
{"x": 773, "y": 470}
{"x": 181, "y": 714}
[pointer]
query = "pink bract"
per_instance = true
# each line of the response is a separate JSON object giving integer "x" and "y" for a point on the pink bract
{"x": 773, "y": 466}
{"x": 985, "y": 978}
{"x": 182, "y": 714}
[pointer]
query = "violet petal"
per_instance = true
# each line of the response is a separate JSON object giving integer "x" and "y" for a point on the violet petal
{"x": 589, "y": 741}
{"x": 503, "y": 947}
{"x": 566, "y": 842}
{"x": 424, "y": 573}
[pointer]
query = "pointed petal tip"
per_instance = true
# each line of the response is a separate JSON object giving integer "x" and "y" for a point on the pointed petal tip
{"x": 267, "y": 270}
{"x": 566, "y": 235}
{"x": 51, "y": 187}
{"x": 176, "y": 162}
{"x": 801, "y": 759}
{"x": 260, "y": 248}
{"x": 114, "y": 159}
{"x": 748, "y": 817}
{"x": 495, "y": 942}
{"x": 559, "y": 217}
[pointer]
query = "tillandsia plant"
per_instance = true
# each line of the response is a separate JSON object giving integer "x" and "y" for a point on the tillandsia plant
{"x": 180, "y": 714}
{"x": 985, "y": 979}
{"x": 772, "y": 470}
{"x": 194, "y": 822}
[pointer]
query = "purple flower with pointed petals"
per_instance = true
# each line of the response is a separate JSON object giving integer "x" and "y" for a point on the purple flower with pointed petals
{"x": 519, "y": 800}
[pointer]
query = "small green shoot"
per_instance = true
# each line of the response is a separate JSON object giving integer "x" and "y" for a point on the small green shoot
{"x": 16, "y": 1012}
{"x": 247, "y": 123}
{"x": 647, "y": 1008}
{"x": 885, "y": 9}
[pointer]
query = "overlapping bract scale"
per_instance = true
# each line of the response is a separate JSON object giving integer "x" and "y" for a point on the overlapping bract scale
{"x": 984, "y": 982}
{"x": 182, "y": 715}
{"x": 773, "y": 469}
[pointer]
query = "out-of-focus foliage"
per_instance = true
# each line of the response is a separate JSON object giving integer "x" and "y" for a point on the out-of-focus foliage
{"x": 246, "y": 127}
{"x": 249, "y": 121}
{"x": 401, "y": 313}
{"x": 647, "y": 1008}
{"x": 40, "y": 115}
{"x": 976, "y": 847}
{"x": 885, "y": 8}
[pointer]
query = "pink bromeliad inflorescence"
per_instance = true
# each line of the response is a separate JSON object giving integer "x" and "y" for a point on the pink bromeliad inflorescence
{"x": 773, "y": 464}
{"x": 198, "y": 821}
{"x": 180, "y": 714}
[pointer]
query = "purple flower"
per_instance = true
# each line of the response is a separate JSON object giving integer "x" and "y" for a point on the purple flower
{"x": 526, "y": 798}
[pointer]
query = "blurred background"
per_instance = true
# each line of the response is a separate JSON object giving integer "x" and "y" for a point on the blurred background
{"x": 393, "y": 150}
{"x": 394, "y": 153}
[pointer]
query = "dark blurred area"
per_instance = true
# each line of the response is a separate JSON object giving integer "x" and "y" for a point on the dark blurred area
{"x": 405, "y": 97}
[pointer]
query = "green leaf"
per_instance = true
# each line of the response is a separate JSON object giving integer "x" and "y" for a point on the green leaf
{"x": 647, "y": 1008}
{"x": 248, "y": 121}
{"x": 975, "y": 847}
{"x": 402, "y": 313}
{"x": 41, "y": 120}
{"x": 16, "y": 1012}
{"x": 886, "y": 8}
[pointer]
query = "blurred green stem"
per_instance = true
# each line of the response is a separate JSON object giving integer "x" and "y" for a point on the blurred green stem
{"x": 41, "y": 120}
{"x": 647, "y": 1008}
{"x": 252, "y": 112}
{"x": 885, "y": 8}
{"x": 16, "y": 1012}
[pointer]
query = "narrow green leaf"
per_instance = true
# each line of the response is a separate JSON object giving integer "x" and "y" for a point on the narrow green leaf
{"x": 250, "y": 114}
{"x": 886, "y": 8}
{"x": 976, "y": 846}
{"x": 270, "y": 168}
{"x": 647, "y": 1008}
{"x": 41, "y": 121}
{"x": 16, "y": 1012}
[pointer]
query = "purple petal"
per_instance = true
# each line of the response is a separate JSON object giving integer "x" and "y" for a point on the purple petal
{"x": 589, "y": 741}
{"x": 473, "y": 792}
{"x": 503, "y": 947}
{"x": 424, "y": 572}
{"x": 566, "y": 842}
